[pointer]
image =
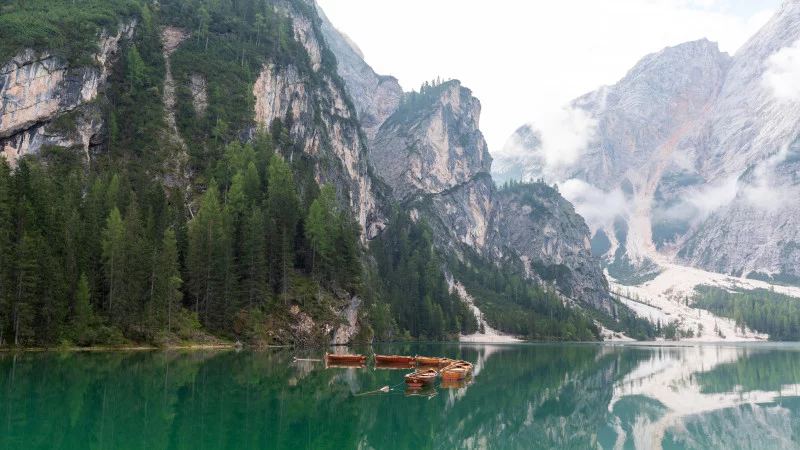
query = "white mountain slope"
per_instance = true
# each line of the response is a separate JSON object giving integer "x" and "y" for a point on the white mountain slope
{"x": 693, "y": 158}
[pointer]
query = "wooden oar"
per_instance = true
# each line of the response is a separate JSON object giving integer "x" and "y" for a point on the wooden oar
{"x": 312, "y": 360}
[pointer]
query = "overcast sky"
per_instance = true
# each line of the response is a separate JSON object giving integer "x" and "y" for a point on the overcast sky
{"x": 525, "y": 59}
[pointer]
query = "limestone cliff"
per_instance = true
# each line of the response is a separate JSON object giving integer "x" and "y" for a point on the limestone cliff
{"x": 36, "y": 90}
{"x": 434, "y": 146}
{"x": 376, "y": 97}
{"x": 321, "y": 118}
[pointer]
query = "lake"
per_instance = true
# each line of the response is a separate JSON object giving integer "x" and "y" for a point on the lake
{"x": 521, "y": 396}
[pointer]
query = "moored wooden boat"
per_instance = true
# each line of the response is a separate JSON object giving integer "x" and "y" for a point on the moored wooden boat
{"x": 421, "y": 377}
{"x": 457, "y": 371}
{"x": 349, "y": 359}
{"x": 394, "y": 359}
{"x": 432, "y": 361}
{"x": 453, "y": 373}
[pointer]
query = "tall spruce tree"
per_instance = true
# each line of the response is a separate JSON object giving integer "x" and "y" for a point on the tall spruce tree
{"x": 282, "y": 207}
{"x": 113, "y": 258}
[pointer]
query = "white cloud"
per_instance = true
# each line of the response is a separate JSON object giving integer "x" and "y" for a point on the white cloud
{"x": 712, "y": 197}
{"x": 762, "y": 192}
{"x": 759, "y": 191}
{"x": 783, "y": 73}
{"x": 700, "y": 202}
{"x": 525, "y": 59}
{"x": 598, "y": 207}
{"x": 566, "y": 135}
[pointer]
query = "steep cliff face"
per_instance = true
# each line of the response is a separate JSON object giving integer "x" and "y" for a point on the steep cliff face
{"x": 542, "y": 227}
{"x": 321, "y": 118}
{"x": 376, "y": 97}
{"x": 692, "y": 158}
{"x": 44, "y": 101}
{"x": 430, "y": 148}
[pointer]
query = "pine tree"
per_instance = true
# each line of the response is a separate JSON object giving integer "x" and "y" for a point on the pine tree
{"x": 26, "y": 279}
{"x": 113, "y": 258}
{"x": 169, "y": 282}
{"x": 82, "y": 309}
{"x": 282, "y": 204}
{"x": 135, "y": 296}
{"x": 254, "y": 266}
{"x": 322, "y": 225}
{"x": 209, "y": 257}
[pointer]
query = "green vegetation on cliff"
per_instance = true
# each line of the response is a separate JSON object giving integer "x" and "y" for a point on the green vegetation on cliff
{"x": 522, "y": 307}
{"x": 415, "y": 289}
{"x": 67, "y": 28}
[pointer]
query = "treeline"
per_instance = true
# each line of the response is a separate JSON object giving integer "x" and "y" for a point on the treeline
{"x": 414, "y": 102}
{"x": 627, "y": 322}
{"x": 86, "y": 259}
{"x": 762, "y": 310}
{"x": 417, "y": 302}
{"x": 519, "y": 306}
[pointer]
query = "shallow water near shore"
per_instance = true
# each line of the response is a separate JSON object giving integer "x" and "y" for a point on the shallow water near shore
{"x": 521, "y": 396}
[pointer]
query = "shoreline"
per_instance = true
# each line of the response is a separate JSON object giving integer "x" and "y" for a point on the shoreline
{"x": 615, "y": 342}
{"x": 122, "y": 348}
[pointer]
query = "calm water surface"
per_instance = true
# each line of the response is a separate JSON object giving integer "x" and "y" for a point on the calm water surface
{"x": 521, "y": 396}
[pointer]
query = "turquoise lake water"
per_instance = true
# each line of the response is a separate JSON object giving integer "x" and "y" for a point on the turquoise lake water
{"x": 521, "y": 397}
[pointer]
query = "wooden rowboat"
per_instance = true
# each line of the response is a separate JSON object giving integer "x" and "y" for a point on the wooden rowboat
{"x": 457, "y": 371}
{"x": 428, "y": 361}
{"x": 348, "y": 359}
{"x": 452, "y": 373}
{"x": 394, "y": 359}
{"x": 421, "y": 377}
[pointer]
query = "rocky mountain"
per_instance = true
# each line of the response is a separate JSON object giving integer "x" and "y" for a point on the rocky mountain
{"x": 177, "y": 113}
{"x": 431, "y": 152}
{"x": 691, "y": 158}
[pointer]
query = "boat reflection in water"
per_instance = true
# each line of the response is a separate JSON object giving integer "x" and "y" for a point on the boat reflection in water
{"x": 385, "y": 366}
{"x": 428, "y": 391}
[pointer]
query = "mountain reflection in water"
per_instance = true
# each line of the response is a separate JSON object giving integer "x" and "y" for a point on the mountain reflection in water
{"x": 520, "y": 396}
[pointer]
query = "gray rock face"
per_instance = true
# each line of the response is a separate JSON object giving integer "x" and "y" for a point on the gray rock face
{"x": 750, "y": 135}
{"x": 434, "y": 148}
{"x": 35, "y": 90}
{"x": 376, "y": 97}
{"x": 538, "y": 224}
{"x": 702, "y": 148}
{"x": 281, "y": 91}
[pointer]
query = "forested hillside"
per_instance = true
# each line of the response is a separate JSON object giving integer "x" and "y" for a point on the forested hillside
{"x": 230, "y": 229}
{"x": 761, "y": 310}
